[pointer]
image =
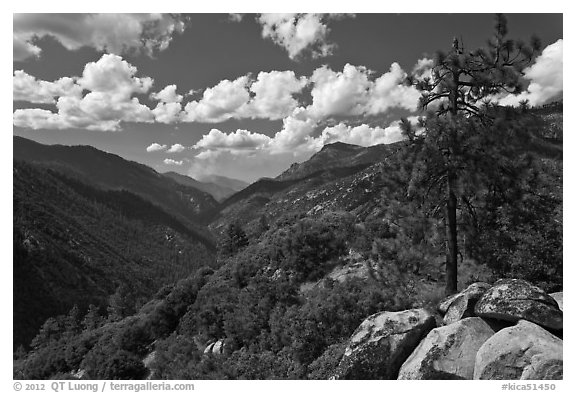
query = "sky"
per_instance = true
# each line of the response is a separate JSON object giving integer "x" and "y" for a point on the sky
{"x": 242, "y": 95}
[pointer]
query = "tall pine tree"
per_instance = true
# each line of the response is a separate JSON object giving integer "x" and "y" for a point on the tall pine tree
{"x": 456, "y": 94}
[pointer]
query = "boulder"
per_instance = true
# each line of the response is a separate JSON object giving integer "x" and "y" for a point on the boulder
{"x": 513, "y": 299}
{"x": 473, "y": 292}
{"x": 448, "y": 352}
{"x": 559, "y": 297}
{"x": 216, "y": 348}
{"x": 523, "y": 351}
{"x": 382, "y": 343}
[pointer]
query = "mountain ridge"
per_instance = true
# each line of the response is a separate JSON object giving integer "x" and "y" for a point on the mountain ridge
{"x": 110, "y": 171}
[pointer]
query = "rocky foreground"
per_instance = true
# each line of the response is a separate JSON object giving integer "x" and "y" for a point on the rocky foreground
{"x": 509, "y": 330}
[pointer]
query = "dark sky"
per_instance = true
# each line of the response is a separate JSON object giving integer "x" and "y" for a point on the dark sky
{"x": 212, "y": 48}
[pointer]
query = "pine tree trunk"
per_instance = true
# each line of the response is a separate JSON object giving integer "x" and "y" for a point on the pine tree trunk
{"x": 451, "y": 238}
{"x": 451, "y": 202}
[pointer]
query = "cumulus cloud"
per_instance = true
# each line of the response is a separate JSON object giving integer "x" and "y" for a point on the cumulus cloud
{"x": 28, "y": 88}
{"x": 269, "y": 96}
{"x": 238, "y": 140}
{"x": 545, "y": 78}
{"x": 113, "y": 75}
{"x": 176, "y": 148}
{"x": 295, "y": 132}
{"x": 354, "y": 91}
{"x": 167, "y": 95}
{"x": 388, "y": 91}
{"x": 169, "y": 161}
{"x": 167, "y": 113}
{"x": 113, "y": 33}
{"x": 299, "y": 33}
{"x": 339, "y": 93}
{"x": 110, "y": 83}
{"x": 105, "y": 95}
{"x": 219, "y": 103}
{"x": 23, "y": 49}
{"x": 274, "y": 95}
{"x": 362, "y": 135}
{"x": 156, "y": 147}
{"x": 36, "y": 118}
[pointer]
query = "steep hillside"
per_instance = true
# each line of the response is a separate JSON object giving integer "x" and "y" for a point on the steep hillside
{"x": 303, "y": 261}
{"x": 337, "y": 155}
{"x": 75, "y": 244}
{"x": 112, "y": 172}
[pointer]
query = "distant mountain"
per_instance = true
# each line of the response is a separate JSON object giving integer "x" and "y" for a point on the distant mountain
{"x": 337, "y": 155}
{"x": 218, "y": 191}
{"x": 224, "y": 181}
{"x": 290, "y": 189}
{"x": 75, "y": 244}
{"x": 111, "y": 172}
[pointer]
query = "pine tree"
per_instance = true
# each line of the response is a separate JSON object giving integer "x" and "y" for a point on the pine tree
{"x": 92, "y": 320}
{"x": 72, "y": 321}
{"x": 457, "y": 94}
{"x": 121, "y": 303}
{"x": 234, "y": 239}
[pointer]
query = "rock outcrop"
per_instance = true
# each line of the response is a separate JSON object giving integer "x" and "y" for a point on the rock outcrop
{"x": 513, "y": 299}
{"x": 448, "y": 352}
{"x": 382, "y": 343}
{"x": 215, "y": 348}
{"x": 559, "y": 297}
{"x": 523, "y": 351}
{"x": 461, "y": 305}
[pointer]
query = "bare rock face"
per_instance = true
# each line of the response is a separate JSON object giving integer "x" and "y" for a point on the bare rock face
{"x": 513, "y": 299}
{"x": 461, "y": 305}
{"x": 523, "y": 351}
{"x": 216, "y": 348}
{"x": 382, "y": 343}
{"x": 448, "y": 352}
{"x": 559, "y": 297}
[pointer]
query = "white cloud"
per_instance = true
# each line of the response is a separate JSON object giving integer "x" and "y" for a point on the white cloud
{"x": 113, "y": 75}
{"x": 28, "y": 88}
{"x": 269, "y": 96}
{"x": 23, "y": 49}
{"x": 295, "y": 133}
{"x": 219, "y": 103}
{"x": 176, "y": 148}
{"x": 274, "y": 95}
{"x": 238, "y": 140}
{"x": 110, "y": 82}
{"x": 114, "y": 33}
{"x": 545, "y": 76}
{"x": 339, "y": 93}
{"x": 167, "y": 113}
{"x": 167, "y": 95}
{"x": 388, "y": 91}
{"x": 169, "y": 161}
{"x": 354, "y": 91}
{"x": 362, "y": 135}
{"x": 156, "y": 147}
{"x": 37, "y": 119}
{"x": 299, "y": 33}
